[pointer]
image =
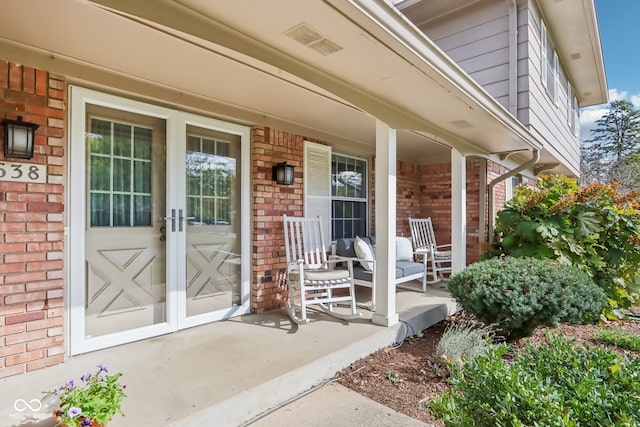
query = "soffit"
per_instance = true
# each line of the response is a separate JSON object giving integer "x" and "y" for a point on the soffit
{"x": 228, "y": 51}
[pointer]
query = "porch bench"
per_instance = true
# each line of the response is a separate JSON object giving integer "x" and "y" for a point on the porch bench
{"x": 406, "y": 268}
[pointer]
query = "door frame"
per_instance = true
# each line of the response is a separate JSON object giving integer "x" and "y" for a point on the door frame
{"x": 176, "y": 122}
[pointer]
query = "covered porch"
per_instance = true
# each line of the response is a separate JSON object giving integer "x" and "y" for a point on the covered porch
{"x": 226, "y": 373}
{"x": 369, "y": 84}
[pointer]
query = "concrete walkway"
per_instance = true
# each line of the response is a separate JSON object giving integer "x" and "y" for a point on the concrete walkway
{"x": 225, "y": 373}
{"x": 333, "y": 405}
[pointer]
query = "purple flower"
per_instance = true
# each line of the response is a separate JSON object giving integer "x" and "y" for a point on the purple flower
{"x": 74, "y": 412}
{"x": 70, "y": 385}
{"x": 85, "y": 377}
{"x": 85, "y": 422}
{"x": 58, "y": 390}
{"x": 103, "y": 367}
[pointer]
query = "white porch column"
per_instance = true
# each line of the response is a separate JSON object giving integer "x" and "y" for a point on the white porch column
{"x": 385, "y": 210}
{"x": 458, "y": 211}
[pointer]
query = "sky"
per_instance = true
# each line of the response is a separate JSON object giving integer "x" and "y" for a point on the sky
{"x": 618, "y": 34}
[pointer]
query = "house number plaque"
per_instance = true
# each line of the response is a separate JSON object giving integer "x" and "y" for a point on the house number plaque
{"x": 22, "y": 172}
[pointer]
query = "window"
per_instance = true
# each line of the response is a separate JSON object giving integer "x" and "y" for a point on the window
{"x": 549, "y": 64}
{"x": 573, "y": 114}
{"x": 210, "y": 176}
{"x": 120, "y": 174}
{"x": 348, "y": 196}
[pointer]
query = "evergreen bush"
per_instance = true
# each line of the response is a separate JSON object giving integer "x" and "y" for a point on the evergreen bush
{"x": 519, "y": 294}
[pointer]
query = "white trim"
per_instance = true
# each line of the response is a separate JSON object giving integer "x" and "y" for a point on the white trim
{"x": 78, "y": 342}
{"x": 176, "y": 122}
{"x": 185, "y": 119}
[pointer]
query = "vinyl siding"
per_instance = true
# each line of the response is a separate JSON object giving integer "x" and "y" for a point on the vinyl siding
{"x": 546, "y": 118}
{"x": 477, "y": 38}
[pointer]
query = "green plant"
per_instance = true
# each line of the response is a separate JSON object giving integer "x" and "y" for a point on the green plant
{"x": 98, "y": 398}
{"x": 619, "y": 338}
{"x": 460, "y": 342}
{"x": 555, "y": 384}
{"x": 595, "y": 228}
{"x": 393, "y": 377}
{"x": 519, "y": 294}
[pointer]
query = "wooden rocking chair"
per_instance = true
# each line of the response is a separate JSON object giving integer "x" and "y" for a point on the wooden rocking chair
{"x": 311, "y": 280}
{"x": 437, "y": 257}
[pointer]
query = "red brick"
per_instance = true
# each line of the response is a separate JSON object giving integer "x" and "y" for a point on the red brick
{"x": 12, "y": 227}
{"x": 44, "y": 343}
{"x": 28, "y": 79}
{"x": 41, "y": 82}
{"x": 24, "y": 357}
{"x": 25, "y": 337}
{"x": 45, "y": 265}
{"x": 26, "y": 297}
{"x": 25, "y": 237}
{"x": 44, "y": 324}
{"x": 12, "y": 370}
{"x": 15, "y": 77}
{"x": 12, "y": 329}
{"x": 4, "y": 74}
{"x": 25, "y": 257}
{"x": 25, "y": 317}
{"x": 11, "y": 289}
{"x": 45, "y": 207}
{"x": 12, "y": 349}
{"x": 26, "y": 277}
{"x": 46, "y": 362}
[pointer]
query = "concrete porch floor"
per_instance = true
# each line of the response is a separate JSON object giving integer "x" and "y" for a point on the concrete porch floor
{"x": 230, "y": 372}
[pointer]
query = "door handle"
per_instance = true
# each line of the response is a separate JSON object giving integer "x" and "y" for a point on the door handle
{"x": 182, "y": 218}
{"x": 172, "y": 218}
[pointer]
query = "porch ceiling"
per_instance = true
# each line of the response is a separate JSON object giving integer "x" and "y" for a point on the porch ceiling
{"x": 236, "y": 53}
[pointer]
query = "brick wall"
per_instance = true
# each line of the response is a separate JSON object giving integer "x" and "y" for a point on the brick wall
{"x": 32, "y": 227}
{"x": 269, "y": 202}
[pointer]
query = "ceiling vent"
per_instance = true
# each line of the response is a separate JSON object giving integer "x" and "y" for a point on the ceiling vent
{"x": 308, "y": 36}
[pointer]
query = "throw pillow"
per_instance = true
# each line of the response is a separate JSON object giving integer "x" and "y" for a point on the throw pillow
{"x": 404, "y": 250}
{"x": 364, "y": 253}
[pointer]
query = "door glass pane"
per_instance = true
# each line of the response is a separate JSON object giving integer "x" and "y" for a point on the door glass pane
{"x": 125, "y": 251}
{"x": 213, "y": 232}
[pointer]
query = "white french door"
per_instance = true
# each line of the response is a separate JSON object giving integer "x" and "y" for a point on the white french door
{"x": 158, "y": 236}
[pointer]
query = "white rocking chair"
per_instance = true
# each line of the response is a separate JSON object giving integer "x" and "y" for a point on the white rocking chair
{"x": 437, "y": 257}
{"x": 309, "y": 276}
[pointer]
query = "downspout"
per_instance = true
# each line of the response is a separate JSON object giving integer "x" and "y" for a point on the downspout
{"x": 492, "y": 184}
{"x": 513, "y": 57}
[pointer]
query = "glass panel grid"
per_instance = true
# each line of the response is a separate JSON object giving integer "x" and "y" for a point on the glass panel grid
{"x": 210, "y": 173}
{"x": 120, "y": 174}
{"x": 349, "y": 196}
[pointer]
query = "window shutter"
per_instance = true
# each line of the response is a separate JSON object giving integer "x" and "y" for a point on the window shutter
{"x": 317, "y": 184}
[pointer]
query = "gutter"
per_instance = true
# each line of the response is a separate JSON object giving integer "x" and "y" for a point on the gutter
{"x": 492, "y": 184}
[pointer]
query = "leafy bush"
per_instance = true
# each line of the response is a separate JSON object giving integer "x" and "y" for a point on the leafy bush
{"x": 460, "y": 342}
{"x": 552, "y": 385}
{"x": 520, "y": 294}
{"x": 594, "y": 228}
{"x": 619, "y": 338}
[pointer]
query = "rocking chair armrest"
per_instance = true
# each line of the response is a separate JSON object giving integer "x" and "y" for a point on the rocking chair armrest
{"x": 444, "y": 246}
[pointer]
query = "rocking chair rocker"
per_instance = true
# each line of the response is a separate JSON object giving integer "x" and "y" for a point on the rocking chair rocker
{"x": 310, "y": 278}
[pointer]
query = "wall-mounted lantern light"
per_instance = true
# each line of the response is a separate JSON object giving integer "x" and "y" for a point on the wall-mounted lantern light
{"x": 283, "y": 173}
{"x": 18, "y": 138}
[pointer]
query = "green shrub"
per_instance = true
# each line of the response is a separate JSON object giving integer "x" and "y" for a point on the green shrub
{"x": 460, "y": 342}
{"x": 595, "y": 228}
{"x": 520, "y": 294}
{"x": 552, "y": 385}
{"x": 619, "y": 338}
